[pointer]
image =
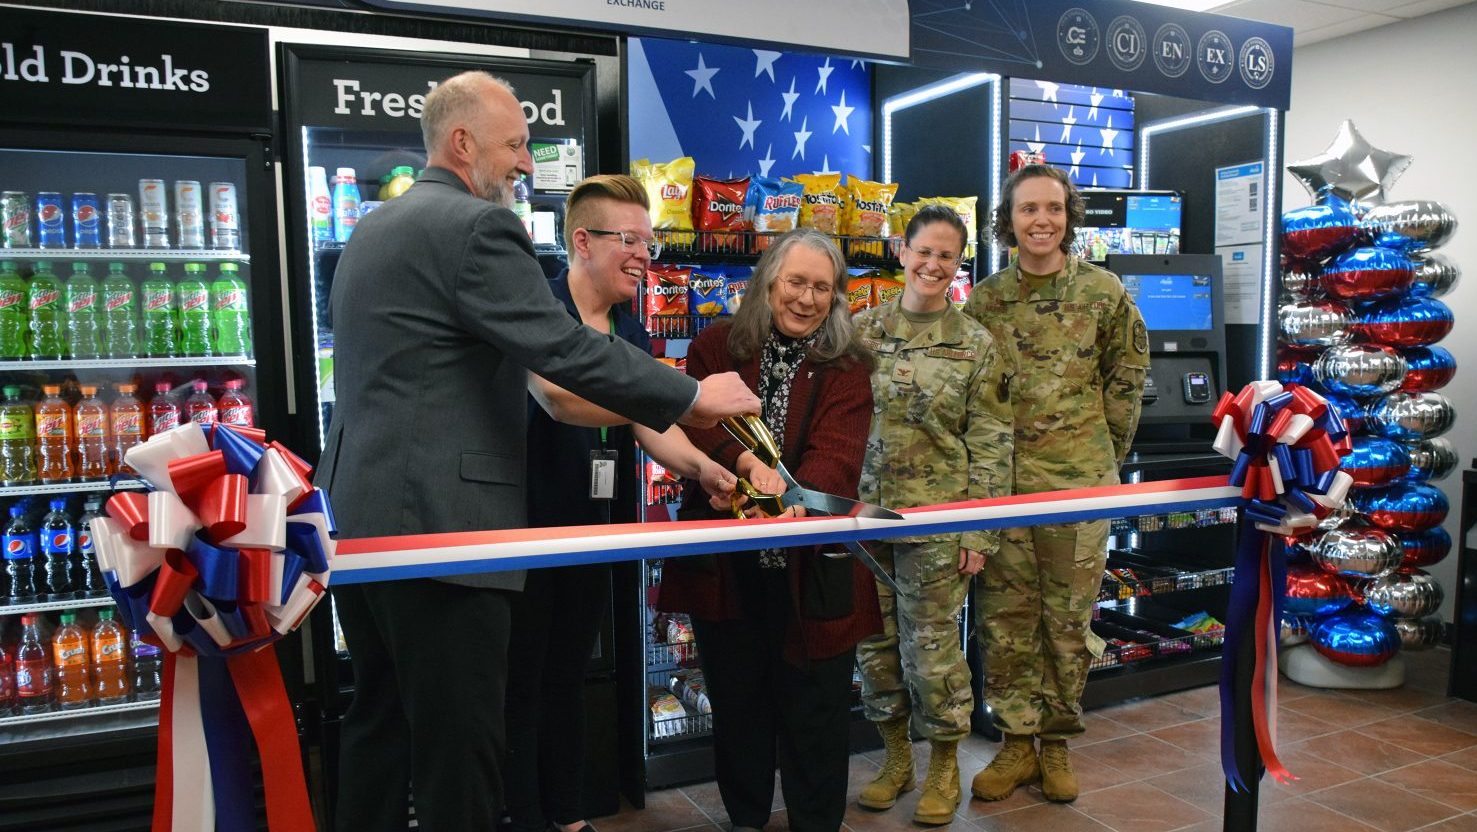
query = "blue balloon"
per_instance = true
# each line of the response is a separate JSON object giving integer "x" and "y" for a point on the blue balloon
{"x": 1358, "y": 639}
{"x": 1405, "y": 322}
{"x": 1427, "y": 368}
{"x": 1376, "y": 461}
{"x": 1421, "y": 549}
{"x": 1315, "y": 232}
{"x": 1403, "y": 507}
{"x": 1368, "y": 273}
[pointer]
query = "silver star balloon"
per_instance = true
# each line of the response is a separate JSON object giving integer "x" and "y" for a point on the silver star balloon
{"x": 1350, "y": 168}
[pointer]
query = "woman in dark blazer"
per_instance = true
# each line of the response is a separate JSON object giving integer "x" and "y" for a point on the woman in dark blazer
{"x": 777, "y": 630}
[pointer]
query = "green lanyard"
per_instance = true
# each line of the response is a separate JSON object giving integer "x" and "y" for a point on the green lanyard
{"x": 604, "y": 431}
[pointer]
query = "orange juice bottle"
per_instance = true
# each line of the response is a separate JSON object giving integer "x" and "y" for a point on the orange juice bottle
{"x": 73, "y": 669}
{"x": 110, "y": 659}
{"x": 91, "y": 417}
{"x": 54, "y": 436}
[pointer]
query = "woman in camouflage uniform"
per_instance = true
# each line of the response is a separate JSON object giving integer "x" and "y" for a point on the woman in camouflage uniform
{"x": 1080, "y": 352}
{"x": 941, "y": 432}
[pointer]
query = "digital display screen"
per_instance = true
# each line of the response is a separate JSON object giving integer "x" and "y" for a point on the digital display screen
{"x": 1172, "y": 301}
{"x": 1124, "y": 222}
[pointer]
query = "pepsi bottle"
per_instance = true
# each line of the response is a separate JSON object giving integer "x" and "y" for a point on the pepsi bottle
{"x": 86, "y": 578}
{"x": 56, "y": 548}
{"x": 20, "y": 555}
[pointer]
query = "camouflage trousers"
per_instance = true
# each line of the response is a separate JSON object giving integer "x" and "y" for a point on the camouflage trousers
{"x": 917, "y": 664}
{"x": 1034, "y": 625}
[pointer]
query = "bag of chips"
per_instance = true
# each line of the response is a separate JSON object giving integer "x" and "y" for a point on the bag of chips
{"x": 718, "y": 205}
{"x": 965, "y": 207}
{"x": 669, "y": 190}
{"x": 666, "y": 300}
{"x": 773, "y": 207}
{"x": 867, "y": 215}
{"x": 705, "y": 295}
{"x": 821, "y": 201}
{"x": 886, "y": 287}
{"x": 859, "y": 288}
{"x": 736, "y": 282}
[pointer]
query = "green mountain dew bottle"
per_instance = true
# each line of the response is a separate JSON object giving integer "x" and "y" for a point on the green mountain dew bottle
{"x": 157, "y": 296}
{"x": 14, "y": 321}
{"x": 48, "y": 318}
{"x": 193, "y": 294}
{"x": 17, "y": 439}
{"x": 83, "y": 328}
{"x": 232, "y": 319}
{"x": 120, "y": 314}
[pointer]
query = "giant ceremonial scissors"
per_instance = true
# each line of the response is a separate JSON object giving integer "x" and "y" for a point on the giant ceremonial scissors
{"x": 751, "y": 432}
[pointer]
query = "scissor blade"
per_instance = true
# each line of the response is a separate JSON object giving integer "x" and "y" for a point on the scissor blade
{"x": 861, "y": 553}
{"x": 819, "y": 502}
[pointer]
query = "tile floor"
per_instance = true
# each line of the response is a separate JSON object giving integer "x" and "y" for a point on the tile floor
{"x": 1385, "y": 761}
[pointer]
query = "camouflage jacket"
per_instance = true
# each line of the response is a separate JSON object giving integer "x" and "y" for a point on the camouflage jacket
{"x": 1081, "y": 353}
{"x": 941, "y": 417}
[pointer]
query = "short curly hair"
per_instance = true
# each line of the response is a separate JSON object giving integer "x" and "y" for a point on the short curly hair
{"x": 1000, "y": 220}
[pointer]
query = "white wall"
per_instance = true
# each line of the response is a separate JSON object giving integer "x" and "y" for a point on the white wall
{"x": 1408, "y": 88}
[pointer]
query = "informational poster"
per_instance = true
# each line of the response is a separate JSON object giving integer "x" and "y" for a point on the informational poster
{"x": 557, "y": 166}
{"x": 1240, "y": 191}
{"x": 1241, "y": 271}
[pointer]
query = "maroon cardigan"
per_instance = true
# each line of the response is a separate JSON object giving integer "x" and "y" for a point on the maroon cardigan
{"x": 834, "y": 599}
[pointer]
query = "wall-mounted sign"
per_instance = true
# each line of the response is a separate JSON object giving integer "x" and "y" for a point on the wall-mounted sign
{"x": 1112, "y": 44}
{"x": 104, "y": 71}
{"x": 863, "y": 28}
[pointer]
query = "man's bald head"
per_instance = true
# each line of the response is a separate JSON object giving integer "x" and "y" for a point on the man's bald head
{"x": 474, "y": 126}
{"x": 460, "y": 100}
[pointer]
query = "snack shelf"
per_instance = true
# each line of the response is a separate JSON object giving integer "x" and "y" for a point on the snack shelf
{"x": 676, "y": 728}
{"x": 126, "y": 363}
{"x": 679, "y": 326}
{"x": 661, "y": 657}
{"x": 94, "y": 711}
{"x": 1198, "y": 519}
{"x": 1119, "y": 587}
{"x": 167, "y": 255}
{"x": 71, "y": 487}
{"x": 746, "y": 246}
{"x": 98, "y": 599}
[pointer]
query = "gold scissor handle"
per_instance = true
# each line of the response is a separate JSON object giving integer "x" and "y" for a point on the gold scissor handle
{"x": 750, "y": 431}
{"x": 770, "y": 505}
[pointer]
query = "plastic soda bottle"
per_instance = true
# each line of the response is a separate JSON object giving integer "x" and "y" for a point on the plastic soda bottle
{"x": 83, "y": 332}
{"x": 48, "y": 320}
{"x": 200, "y": 407}
{"x": 523, "y": 204}
{"x": 401, "y": 178}
{"x": 147, "y": 670}
{"x": 54, "y": 436}
{"x": 193, "y": 294}
{"x": 235, "y": 407}
{"x": 320, "y": 205}
{"x": 73, "y": 664}
{"x": 56, "y": 548}
{"x": 345, "y": 204}
{"x": 125, "y": 424}
{"x": 163, "y": 409}
{"x": 20, "y": 555}
{"x": 34, "y": 675}
{"x": 110, "y": 659}
{"x": 85, "y": 574}
{"x": 120, "y": 314}
{"x": 232, "y": 318}
{"x": 91, "y": 417}
{"x": 17, "y": 433}
{"x": 7, "y": 681}
{"x": 157, "y": 295}
{"x": 13, "y": 318}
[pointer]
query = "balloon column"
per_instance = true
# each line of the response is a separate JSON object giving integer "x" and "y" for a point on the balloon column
{"x": 1359, "y": 320}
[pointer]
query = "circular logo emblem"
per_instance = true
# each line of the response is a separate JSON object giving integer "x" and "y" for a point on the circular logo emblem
{"x": 1257, "y": 63}
{"x": 15, "y": 547}
{"x": 1127, "y": 43}
{"x": 1172, "y": 50}
{"x": 1078, "y": 37}
{"x": 1214, "y": 56}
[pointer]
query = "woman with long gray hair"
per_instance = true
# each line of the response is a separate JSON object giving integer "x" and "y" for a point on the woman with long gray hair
{"x": 777, "y": 630}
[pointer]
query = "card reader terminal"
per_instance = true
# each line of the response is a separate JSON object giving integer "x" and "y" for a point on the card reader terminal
{"x": 1197, "y": 388}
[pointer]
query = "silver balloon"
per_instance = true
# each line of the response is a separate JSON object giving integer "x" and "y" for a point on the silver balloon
{"x": 1357, "y": 553}
{"x": 1435, "y": 275}
{"x": 1351, "y": 168}
{"x": 1431, "y": 459}
{"x": 1409, "y": 225}
{"x": 1412, "y": 416}
{"x": 1359, "y": 369}
{"x": 1416, "y": 633}
{"x": 1294, "y": 630}
{"x": 1302, "y": 283}
{"x": 1338, "y": 517}
{"x": 1404, "y": 593}
{"x": 1316, "y": 323}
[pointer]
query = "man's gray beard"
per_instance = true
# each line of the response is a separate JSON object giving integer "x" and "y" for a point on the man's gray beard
{"x": 484, "y": 187}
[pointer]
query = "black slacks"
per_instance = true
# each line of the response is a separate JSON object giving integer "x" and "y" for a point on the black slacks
{"x": 430, "y": 664}
{"x": 556, "y": 620}
{"x": 766, "y": 709}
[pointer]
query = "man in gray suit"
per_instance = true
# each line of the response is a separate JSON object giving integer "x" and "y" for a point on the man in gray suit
{"x": 440, "y": 310}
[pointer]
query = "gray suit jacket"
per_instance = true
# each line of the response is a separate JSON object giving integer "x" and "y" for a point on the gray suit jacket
{"x": 439, "y": 310}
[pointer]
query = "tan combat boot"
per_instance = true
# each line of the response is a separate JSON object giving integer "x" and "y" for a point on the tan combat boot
{"x": 1015, "y": 764}
{"x": 941, "y": 790}
{"x": 1058, "y": 782}
{"x": 896, "y": 775}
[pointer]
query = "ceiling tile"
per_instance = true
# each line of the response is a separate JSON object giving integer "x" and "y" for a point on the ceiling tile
{"x": 1299, "y": 14}
{"x": 1423, "y": 7}
{"x": 1350, "y": 25}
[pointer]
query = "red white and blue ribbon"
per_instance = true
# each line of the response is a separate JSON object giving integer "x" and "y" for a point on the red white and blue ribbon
{"x": 229, "y": 550}
{"x": 1285, "y": 444}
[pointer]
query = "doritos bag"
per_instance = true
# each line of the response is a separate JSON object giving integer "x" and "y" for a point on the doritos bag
{"x": 666, "y": 300}
{"x": 705, "y": 291}
{"x": 718, "y": 205}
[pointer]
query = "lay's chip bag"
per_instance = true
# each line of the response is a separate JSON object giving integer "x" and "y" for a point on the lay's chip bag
{"x": 821, "y": 201}
{"x": 669, "y": 190}
{"x": 867, "y": 215}
{"x": 773, "y": 207}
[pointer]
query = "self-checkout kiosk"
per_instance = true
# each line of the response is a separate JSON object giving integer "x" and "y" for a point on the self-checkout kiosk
{"x": 1181, "y": 297}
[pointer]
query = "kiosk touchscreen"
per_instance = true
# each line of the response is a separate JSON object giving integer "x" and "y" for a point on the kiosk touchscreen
{"x": 1180, "y": 297}
{"x": 1128, "y": 222}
